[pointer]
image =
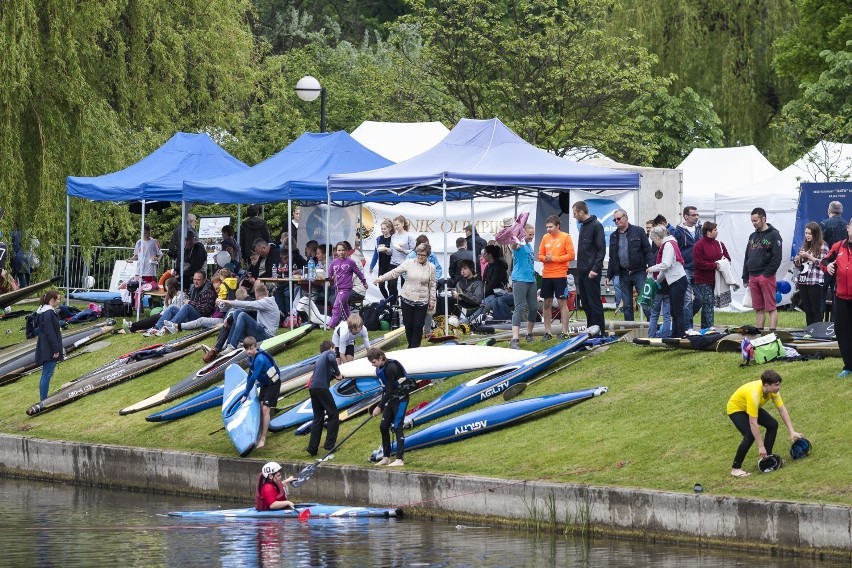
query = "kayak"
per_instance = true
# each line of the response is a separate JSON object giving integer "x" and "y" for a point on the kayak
{"x": 442, "y": 361}
{"x": 316, "y": 510}
{"x": 14, "y": 369}
{"x": 111, "y": 377}
{"x": 14, "y": 296}
{"x": 345, "y": 393}
{"x": 293, "y": 377}
{"x": 142, "y": 352}
{"x": 494, "y": 383}
{"x": 492, "y": 418}
{"x": 242, "y": 419}
{"x": 825, "y": 348}
{"x": 214, "y": 371}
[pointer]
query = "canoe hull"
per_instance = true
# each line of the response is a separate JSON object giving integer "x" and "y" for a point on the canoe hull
{"x": 317, "y": 510}
{"x": 345, "y": 393}
{"x": 14, "y": 296}
{"x": 242, "y": 419}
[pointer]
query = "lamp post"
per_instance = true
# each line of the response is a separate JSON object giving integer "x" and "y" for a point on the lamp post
{"x": 308, "y": 88}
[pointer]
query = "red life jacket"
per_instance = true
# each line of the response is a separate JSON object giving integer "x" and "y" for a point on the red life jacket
{"x": 259, "y": 502}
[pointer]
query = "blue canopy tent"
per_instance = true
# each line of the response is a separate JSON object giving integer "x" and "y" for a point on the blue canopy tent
{"x": 157, "y": 177}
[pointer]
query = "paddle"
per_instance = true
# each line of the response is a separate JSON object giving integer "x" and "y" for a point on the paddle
{"x": 306, "y": 473}
{"x": 517, "y": 389}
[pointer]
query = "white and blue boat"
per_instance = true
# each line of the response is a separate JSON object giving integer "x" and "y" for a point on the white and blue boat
{"x": 242, "y": 419}
{"x": 494, "y": 383}
{"x": 492, "y": 418}
{"x": 345, "y": 393}
{"x": 317, "y": 510}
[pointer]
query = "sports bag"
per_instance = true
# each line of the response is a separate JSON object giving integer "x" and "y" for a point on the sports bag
{"x": 649, "y": 292}
{"x": 763, "y": 349}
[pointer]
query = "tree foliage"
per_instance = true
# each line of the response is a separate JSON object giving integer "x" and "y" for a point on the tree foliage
{"x": 821, "y": 25}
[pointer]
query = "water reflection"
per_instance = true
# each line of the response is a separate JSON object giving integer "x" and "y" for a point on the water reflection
{"x": 48, "y": 524}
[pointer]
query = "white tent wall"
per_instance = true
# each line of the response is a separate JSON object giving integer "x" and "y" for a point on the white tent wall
{"x": 399, "y": 141}
{"x": 661, "y": 190}
{"x": 827, "y": 161}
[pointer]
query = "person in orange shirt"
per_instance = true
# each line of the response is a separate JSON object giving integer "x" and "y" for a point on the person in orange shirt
{"x": 555, "y": 252}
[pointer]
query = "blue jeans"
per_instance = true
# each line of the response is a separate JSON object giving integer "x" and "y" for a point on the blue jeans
{"x": 185, "y": 314}
{"x": 245, "y": 325}
{"x": 628, "y": 283}
{"x": 47, "y": 370}
{"x": 689, "y": 303}
{"x": 166, "y": 315}
{"x": 661, "y": 306}
{"x": 500, "y": 306}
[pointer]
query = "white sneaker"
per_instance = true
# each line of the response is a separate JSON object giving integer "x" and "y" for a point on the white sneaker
{"x": 171, "y": 327}
{"x": 126, "y": 325}
{"x": 149, "y": 333}
{"x": 160, "y": 332}
{"x": 228, "y": 348}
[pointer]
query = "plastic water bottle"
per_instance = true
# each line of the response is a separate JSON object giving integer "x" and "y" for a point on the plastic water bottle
{"x": 312, "y": 270}
{"x": 274, "y": 270}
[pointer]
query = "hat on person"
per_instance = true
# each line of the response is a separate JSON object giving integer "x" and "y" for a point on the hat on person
{"x": 508, "y": 221}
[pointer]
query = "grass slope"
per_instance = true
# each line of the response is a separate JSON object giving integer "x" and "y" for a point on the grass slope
{"x": 661, "y": 426}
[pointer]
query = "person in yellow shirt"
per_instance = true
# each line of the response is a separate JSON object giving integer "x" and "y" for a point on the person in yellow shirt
{"x": 556, "y": 251}
{"x": 746, "y": 412}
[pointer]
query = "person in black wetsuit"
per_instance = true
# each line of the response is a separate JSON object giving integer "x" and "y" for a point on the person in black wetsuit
{"x": 322, "y": 401}
{"x": 396, "y": 386}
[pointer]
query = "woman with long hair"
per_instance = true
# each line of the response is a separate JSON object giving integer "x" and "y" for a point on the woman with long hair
{"x": 811, "y": 279}
{"x": 49, "y": 350}
{"x": 173, "y": 296}
{"x": 382, "y": 254}
{"x": 402, "y": 243}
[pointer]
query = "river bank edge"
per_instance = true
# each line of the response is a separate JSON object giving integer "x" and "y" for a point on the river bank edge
{"x": 778, "y": 527}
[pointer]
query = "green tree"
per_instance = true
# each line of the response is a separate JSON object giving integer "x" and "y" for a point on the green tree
{"x": 821, "y": 25}
{"x": 547, "y": 69}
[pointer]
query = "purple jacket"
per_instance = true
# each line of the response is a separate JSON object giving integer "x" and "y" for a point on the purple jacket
{"x": 342, "y": 270}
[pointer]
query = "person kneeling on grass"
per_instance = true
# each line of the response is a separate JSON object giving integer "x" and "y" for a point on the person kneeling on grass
{"x": 744, "y": 410}
{"x": 264, "y": 372}
{"x": 271, "y": 491}
{"x": 396, "y": 387}
{"x": 344, "y": 337}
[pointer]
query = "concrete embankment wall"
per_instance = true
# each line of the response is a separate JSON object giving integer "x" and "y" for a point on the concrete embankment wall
{"x": 782, "y": 526}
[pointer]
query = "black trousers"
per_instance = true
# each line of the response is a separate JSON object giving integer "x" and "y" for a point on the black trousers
{"x": 589, "y": 290}
{"x": 811, "y": 297}
{"x": 740, "y": 420}
{"x": 323, "y": 404}
{"x": 843, "y": 330}
{"x": 392, "y": 418}
{"x": 413, "y": 317}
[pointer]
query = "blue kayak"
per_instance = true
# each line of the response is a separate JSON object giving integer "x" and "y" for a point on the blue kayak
{"x": 488, "y": 419}
{"x": 494, "y": 383}
{"x": 242, "y": 419}
{"x": 317, "y": 510}
{"x": 346, "y": 393}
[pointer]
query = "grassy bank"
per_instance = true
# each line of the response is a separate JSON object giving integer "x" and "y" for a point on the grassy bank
{"x": 661, "y": 426}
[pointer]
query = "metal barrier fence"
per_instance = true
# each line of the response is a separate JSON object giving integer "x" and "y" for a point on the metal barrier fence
{"x": 99, "y": 267}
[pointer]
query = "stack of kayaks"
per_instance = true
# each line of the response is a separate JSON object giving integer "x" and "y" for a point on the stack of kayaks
{"x": 293, "y": 377}
{"x": 117, "y": 372}
{"x": 316, "y": 510}
{"x": 215, "y": 371}
{"x": 490, "y": 419}
{"x": 17, "y": 361}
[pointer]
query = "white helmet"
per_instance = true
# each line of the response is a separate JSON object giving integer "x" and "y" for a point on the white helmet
{"x": 271, "y": 469}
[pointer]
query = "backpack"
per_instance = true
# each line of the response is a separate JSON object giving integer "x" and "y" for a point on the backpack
{"x": 31, "y": 326}
{"x": 232, "y": 292}
{"x": 762, "y": 349}
{"x": 371, "y": 315}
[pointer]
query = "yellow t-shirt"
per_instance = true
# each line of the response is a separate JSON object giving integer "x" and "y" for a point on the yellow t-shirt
{"x": 749, "y": 398}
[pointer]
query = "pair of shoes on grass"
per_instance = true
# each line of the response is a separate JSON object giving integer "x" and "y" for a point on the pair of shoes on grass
{"x": 387, "y": 462}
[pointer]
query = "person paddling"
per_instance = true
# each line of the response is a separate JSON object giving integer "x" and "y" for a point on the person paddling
{"x": 394, "y": 401}
{"x": 271, "y": 491}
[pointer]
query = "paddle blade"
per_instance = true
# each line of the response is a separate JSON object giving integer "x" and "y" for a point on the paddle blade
{"x": 305, "y": 515}
{"x": 514, "y": 391}
{"x": 304, "y": 475}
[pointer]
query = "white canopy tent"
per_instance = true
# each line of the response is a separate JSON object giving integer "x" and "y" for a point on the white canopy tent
{"x": 827, "y": 161}
{"x": 399, "y": 141}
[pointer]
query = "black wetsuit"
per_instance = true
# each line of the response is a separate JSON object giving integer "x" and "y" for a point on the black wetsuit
{"x": 393, "y": 404}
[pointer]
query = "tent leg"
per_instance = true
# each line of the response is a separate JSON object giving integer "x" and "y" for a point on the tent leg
{"x": 67, "y": 246}
{"x": 182, "y": 239}
{"x": 446, "y": 265}
{"x": 138, "y": 301}
{"x": 290, "y": 259}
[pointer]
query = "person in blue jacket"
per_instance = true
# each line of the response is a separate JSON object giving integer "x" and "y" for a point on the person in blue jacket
{"x": 264, "y": 372}
{"x": 49, "y": 350}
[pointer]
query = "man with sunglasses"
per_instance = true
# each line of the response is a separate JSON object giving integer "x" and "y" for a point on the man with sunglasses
{"x": 687, "y": 234}
{"x": 629, "y": 256}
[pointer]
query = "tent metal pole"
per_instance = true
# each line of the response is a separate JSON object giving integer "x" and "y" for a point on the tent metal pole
{"x": 290, "y": 259}
{"x": 139, "y": 266}
{"x": 67, "y": 245}
{"x": 473, "y": 239}
{"x": 446, "y": 264}
{"x": 327, "y": 244}
{"x": 182, "y": 239}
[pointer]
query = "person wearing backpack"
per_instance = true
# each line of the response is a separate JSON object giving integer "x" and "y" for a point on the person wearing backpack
{"x": 49, "y": 350}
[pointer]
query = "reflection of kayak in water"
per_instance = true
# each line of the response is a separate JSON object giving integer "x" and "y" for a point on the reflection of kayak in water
{"x": 316, "y": 510}
{"x": 14, "y": 296}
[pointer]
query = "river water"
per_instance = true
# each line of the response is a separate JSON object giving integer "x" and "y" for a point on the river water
{"x": 55, "y": 524}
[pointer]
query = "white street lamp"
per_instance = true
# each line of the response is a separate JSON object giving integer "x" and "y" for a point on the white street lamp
{"x": 308, "y": 89}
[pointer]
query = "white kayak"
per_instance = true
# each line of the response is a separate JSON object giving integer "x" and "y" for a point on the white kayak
{"x": 441, "y": 361}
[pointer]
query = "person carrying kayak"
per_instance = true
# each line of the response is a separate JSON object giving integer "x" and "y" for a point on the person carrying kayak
{"x": 264, "y": 372}
{"x": 271, "y": 491}
{"x": 396, "y": 386}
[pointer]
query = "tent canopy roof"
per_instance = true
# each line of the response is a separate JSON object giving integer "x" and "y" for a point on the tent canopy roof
{"x": 399, "y": 141}
{"x": 160, "y": 175}
{"x": 297, "y": 172}
{"x": 827, "y": 161}
{"x": 480, "y": 157}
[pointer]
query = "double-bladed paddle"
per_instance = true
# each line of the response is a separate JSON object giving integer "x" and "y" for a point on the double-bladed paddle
{"x": 306, "y": 473}
{"x": 517, "y": 389}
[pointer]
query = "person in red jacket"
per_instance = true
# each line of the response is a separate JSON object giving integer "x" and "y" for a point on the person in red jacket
{"x": 706, "y": 254}
{"x": 838, "y": 263}
{"x": 271, "y": 491}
